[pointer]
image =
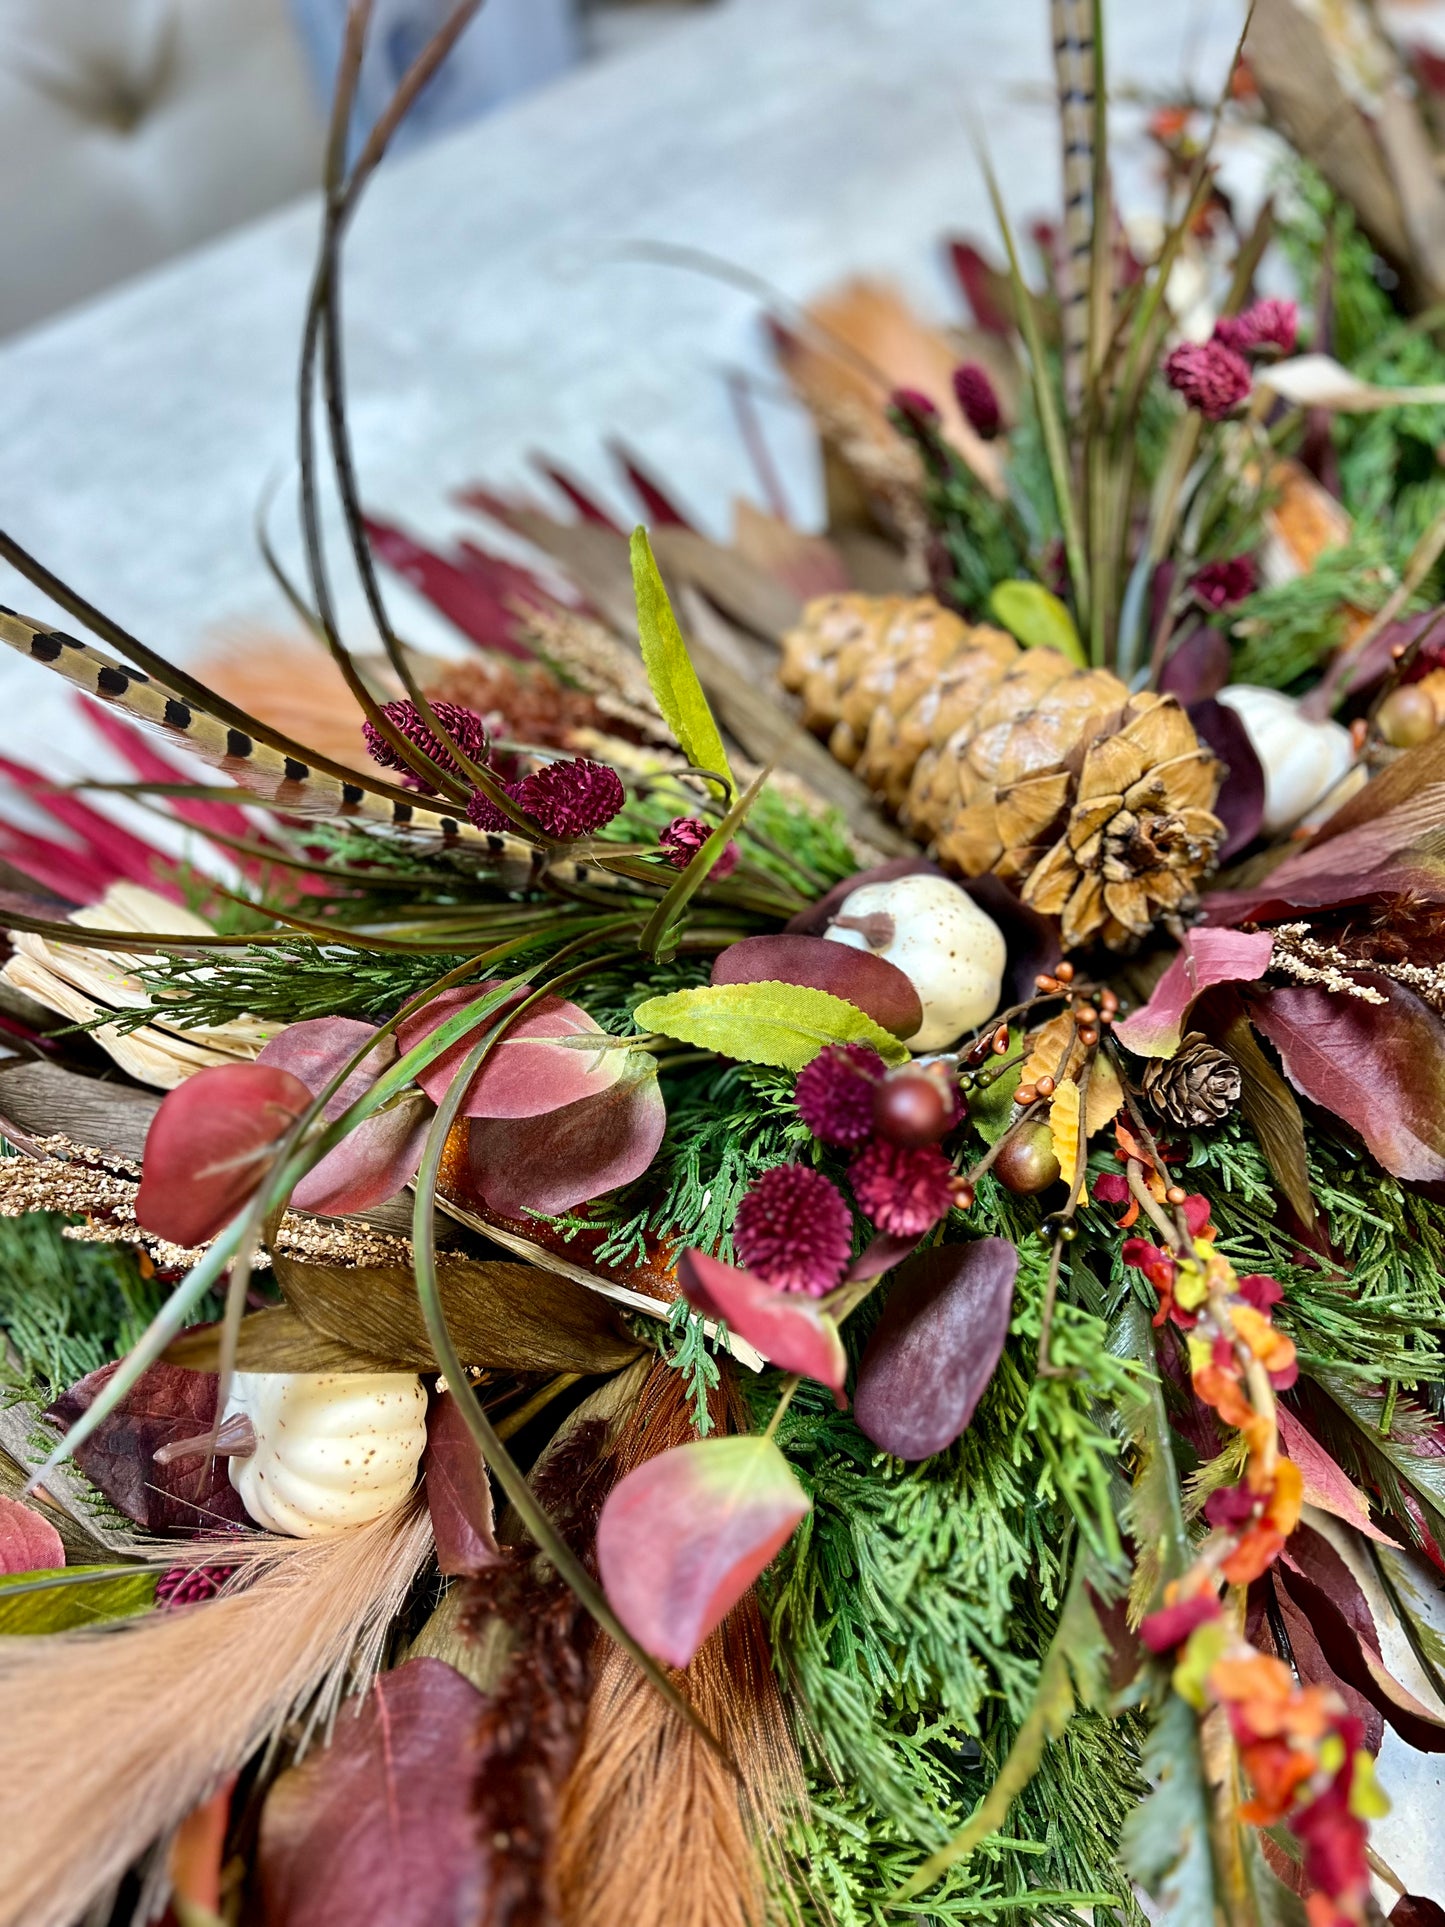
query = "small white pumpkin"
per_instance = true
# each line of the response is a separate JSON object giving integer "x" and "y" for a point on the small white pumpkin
{"x": 1302, "y": 760}
{"x": 952, "y": 952}
{"x": 333, "y": 1449}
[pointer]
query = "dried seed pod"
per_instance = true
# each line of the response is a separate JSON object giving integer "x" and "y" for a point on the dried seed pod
{"x": 1199, "y": 1085}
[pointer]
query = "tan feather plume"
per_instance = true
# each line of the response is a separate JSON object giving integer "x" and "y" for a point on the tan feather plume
{"x": 654, "y": 1830}
{"x": 112, "y": 1736}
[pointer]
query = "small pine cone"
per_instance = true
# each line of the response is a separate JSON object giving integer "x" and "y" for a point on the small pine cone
{"x": 1198, "y": 1085}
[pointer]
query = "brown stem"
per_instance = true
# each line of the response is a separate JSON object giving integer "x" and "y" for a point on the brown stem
{"x": 235, "y": 1438}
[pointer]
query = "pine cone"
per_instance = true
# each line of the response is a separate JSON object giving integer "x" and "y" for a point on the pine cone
{"x": 1198, "y": 1085}
{"x": 1096, "y": 802}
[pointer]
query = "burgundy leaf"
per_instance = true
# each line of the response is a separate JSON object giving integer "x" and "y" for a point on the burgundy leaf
{"x": 166, "y": 1405}
{"x": 1197, "y": 667}
{"x": 1413, "y": 1910}
{"x": 934, "y": 1350}
{"x": 373, "y": 1162}
{"x": 1327, "y": 1592}
{"x": 819, "y": 915}
{"x": 586, "y": 505}
{"x": 1312, "y": 1666}
{"x": 884, "y": 1250}
{"x": 660, "y": 509}
{"x": 877, "y": 987}
{"x": 28, "y": 1542}
{"x": 1204, "y": 958}
{"x": 458, "y": 1493}
{"x": 1388, "y": 854}
{"x": 1379, "y": 1067}
{"x": 1327, "y": 1486}
{"x": 790, "y": 1329}
{"x": 531, "y": 1070}
{"x": 377, "y": 1829}
{"x": 1240, "y": 803}
{"x": 549, "y": 1164}
{"x": 210, "y": 1146}
{"x": 682, "y": 1538}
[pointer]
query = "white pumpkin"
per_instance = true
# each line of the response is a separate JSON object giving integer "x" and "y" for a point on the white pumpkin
{"x": 333, "y": 1449}
{"x": 1302, "y": 760}
{"x": 952, "y": 952}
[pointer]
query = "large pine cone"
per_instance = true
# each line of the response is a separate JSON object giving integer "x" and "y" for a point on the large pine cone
{"x": 1095, "y": 802}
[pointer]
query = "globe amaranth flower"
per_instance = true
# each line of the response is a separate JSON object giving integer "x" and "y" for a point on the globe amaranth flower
{"x": 835, "y": 1093}
{"x": 1219, "y": 585}
{"x": 190, "y": 1585}
{"x": 794, "y": 1230}
{"x": 565, "y": 799}
{"x": 685, "y": 836}
{"x": 1269, "y": 328}
{"x": 464, "y": 726}
{"x": 902, "y": 1189}
{"x": 1212, "y": 378}
{"x": 978, "y": 398}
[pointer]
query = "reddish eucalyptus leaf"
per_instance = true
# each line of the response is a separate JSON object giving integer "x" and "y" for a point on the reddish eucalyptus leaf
{"x": 790, "y": 1329}
{"x": 1240, "y": 803}
{"x": 878, "y": 988}
{"x": 682, "y": 1538}
{"x": 1205, "y": 958}
{"x": 934, "y": 1349}
{"x": 1380, "y": 1067}
{"x": 28, "y": 1542}
{"x": 531, "y": 1071}
{"x": 373, "y": 1162}
{"x": 210, "y": 1146}
{"x": 1327, "y": 1592}
{"x": 378, "y": 1829}
{"x": 1327, "y": 1485}
{"x": 884, "y": 1250}
{"x": 548, "y": 1164}
{"x": 166, "y": 1405}
{"x": 458, "y": 1493}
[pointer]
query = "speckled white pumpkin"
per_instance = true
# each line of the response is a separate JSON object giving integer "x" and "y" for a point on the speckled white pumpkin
{"x": 952, "y": 952}
{"x": 333, "y": 1449}
{"x": 1302, "y": 760}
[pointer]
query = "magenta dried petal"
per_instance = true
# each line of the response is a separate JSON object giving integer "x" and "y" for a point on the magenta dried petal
{"x": 1222, "y": 583}
{"x": 685, "y": 836}
{"x": 463, "y": 726}
{"x": 794, "y": 1230}
{"x": 835, "y": 1093}
{"x": 903, "y": 1190}
{"x": 1212, "y": 378}
{"x": 570, "y": 799}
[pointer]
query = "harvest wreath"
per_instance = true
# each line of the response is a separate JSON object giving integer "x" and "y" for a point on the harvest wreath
{"x": 906, "y": 1300}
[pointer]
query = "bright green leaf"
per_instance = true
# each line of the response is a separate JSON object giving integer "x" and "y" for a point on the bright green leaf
{"x": 1040, "y": 621}
{"x": 669, "y": 667}
{"x": 782, "y": 1024}
{"x": 55, "y": 1602}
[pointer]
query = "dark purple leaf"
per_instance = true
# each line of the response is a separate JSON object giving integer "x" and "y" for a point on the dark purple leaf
{"x": 1197, "y": 667}
{"x": 884, "y": 1250}
{"x": 1312, "y": 1666}
{"x": 166, "y": 1405}
{"x": 878, "y": 988}
{"x": 458, "y": 1493}
{"x": 1389, "y": 855}
{"x": 1240, "y": 803}
{"x": 1327, "y": 1592}
{"x": 1378, "y": 657}
{"x": 1413, "y": 1910}
{"x": 549, "y": 1164}
{"x": 790, "y": 1329}
{"x": 28, "y": 1542}
{"x": 934, "y": 1350}
{"x": 378, "y": 1829}
{"x": 210, "y": 1146}
{"x": 682, "y": 1538}
{"x": 816, "y": 918}
{"x": 373, "y": 1162}
{"x": 1379, "y": 1067}
{"x": 1204, "y": 959}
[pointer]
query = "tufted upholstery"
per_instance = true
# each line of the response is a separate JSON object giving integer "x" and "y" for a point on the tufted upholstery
{"x": 130, "y": 129}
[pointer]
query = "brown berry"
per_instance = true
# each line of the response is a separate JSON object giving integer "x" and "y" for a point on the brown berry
{"x": 1000, "y": 1039}
{"x": 1406, "y": 717}
{"x": 1088, "y": 1037}
{"x": 1176, "y": 1194}
{"x": 1025, "y": 1094}
{"x": 1026, "y": 1164}
{"x": 911, "y": 1108}
{"x": 1045, "y": 1087}
{"x": 962, "y": 1194}
{"x": 1086, "y": 1013}
{"x": 1065, "y": 973}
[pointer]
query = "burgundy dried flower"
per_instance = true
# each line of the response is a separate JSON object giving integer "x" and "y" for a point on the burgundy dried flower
{"x": 189, "y": 1585}
{"x": 1212, "y": 378}
{"x": 1269, "y": 327}
{"x": 464, "y": 726}
{"x": 835, "y": 1093}
{"x": 685, "y": 836}
{"x": 978, "y": 399}
{"x": 794, "y": 1230}
{"x": 1218, "y": 585}
{"x": 905, "y": 1191}
{"x": 483, "y": 814}
{"x": 915, "y": 406}
{"x": 572, "y": 798}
